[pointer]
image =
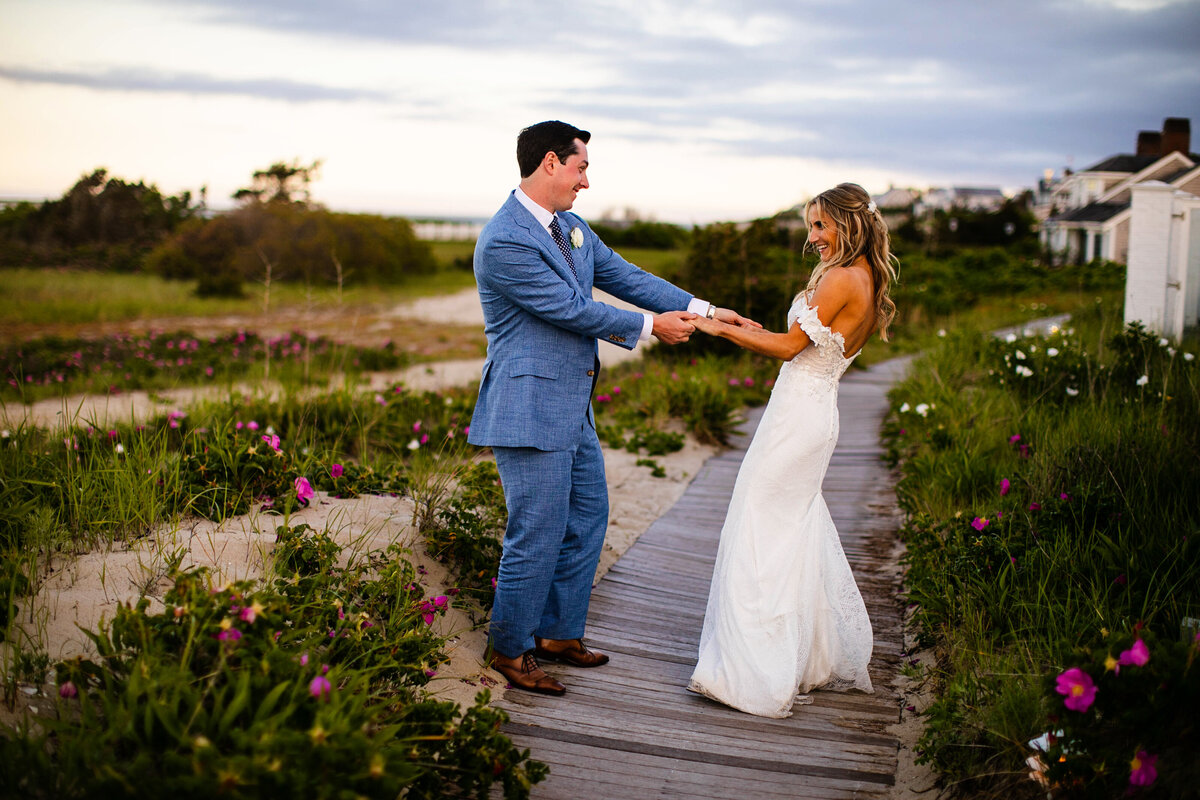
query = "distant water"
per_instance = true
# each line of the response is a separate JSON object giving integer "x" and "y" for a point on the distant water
{"x": 448, "y": 230}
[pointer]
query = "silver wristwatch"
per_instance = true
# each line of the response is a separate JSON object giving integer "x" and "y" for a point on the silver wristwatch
{"x": 712, "y": 311}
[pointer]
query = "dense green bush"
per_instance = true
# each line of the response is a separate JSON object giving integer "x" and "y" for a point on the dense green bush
{"x": 652, "y": 235}
{"x": 931, "y": 286}
{"x": 1053, "y": 519}
{"x": 1011, "y": 226}
{"x": 101, "y": 222}
{"x": 291, "y": 242}
{"x": 756, "y": 270}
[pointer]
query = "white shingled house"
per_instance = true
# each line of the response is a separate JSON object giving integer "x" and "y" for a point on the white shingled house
{"x": 1093, "y": 206}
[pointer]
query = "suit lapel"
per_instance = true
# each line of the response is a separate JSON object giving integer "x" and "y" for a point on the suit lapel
{"x": 521, "y": 216}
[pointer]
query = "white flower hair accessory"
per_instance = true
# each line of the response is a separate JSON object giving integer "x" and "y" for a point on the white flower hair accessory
{"x": 576, "y": 238}
{"x": 871, "y": 206}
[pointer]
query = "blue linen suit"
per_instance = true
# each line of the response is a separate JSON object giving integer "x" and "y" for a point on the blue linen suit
{"x": 534, "y": 411}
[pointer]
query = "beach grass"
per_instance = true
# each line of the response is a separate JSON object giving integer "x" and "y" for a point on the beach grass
{"x": 1050, "y": 488}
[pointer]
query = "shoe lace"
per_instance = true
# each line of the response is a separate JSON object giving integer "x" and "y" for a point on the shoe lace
{"x": 529, "y": 664}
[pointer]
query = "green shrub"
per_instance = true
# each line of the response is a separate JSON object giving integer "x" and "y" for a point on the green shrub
{"x": 312, "y": 686}
{"x": 470, "y": 531}
{"x": 291, "y": 242}
{"x": 650, "y": 235}
{"x": 1050, "y": 485}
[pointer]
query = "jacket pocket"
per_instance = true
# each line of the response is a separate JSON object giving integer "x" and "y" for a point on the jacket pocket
{"x": 533, "y": 366}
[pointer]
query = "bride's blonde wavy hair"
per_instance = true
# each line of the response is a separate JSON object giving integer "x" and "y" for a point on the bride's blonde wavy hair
{"x": 861, "y": 231}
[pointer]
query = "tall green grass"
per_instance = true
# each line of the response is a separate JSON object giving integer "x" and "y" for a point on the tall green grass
{"x": 42, "y": 297}
{"x": 1052, "y": 486}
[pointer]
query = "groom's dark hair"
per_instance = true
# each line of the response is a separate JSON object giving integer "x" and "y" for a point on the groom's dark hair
{"x": 535, "y": 141}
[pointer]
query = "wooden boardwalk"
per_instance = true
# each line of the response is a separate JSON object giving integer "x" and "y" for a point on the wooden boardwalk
{"x": 631, "y": 730}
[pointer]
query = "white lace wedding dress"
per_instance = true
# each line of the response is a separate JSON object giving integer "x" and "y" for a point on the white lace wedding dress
{"x": 784, "y": 614}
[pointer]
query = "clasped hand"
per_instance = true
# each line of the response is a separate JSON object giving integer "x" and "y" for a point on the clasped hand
{"x": 676, "y": 327}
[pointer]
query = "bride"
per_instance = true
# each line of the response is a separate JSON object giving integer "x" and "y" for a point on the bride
{"x": 784, "y": 614}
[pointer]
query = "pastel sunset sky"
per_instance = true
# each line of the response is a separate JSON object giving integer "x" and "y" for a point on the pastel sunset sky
{"x": 700, "y": 110}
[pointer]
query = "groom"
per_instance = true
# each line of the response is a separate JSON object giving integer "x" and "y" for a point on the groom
{"x": 535, "y": 266}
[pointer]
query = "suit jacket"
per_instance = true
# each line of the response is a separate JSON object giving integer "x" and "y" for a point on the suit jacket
{"x": 542, "y": 325}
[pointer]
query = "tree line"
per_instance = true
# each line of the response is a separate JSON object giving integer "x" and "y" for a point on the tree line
{"x": 275, "y": 232}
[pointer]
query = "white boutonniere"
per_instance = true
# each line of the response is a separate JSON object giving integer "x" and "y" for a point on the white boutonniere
{"x": 576, "y": 238}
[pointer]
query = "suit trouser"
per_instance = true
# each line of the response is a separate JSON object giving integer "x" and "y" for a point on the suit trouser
{"x": 557, "y": 516}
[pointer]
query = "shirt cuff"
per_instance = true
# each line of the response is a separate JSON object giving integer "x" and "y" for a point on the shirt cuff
{"x": 647, "y": 327}
{"x": 695, "y": 306}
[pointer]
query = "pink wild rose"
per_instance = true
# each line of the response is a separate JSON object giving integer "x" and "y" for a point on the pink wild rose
{"x": 1004, "y": 487}
{"x": 1136, "y": 656}
{"x": 320, "y": 688}
{"x": 1077, "y": 688}
{"x": 67, "y": 690}
{"x": 979, "y": 524}
{"x": 304, "y": 490}
{"x": 336, "y": 471}
{"x": 1142, "y": 771}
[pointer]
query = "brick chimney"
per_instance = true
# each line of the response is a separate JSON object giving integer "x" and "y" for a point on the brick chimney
{"x": 1176, "y": 135}
{"x": 1149, "y": 143}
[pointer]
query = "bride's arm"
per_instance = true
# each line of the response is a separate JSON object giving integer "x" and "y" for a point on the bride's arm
{"x": 829, "y": 299}
{"x": 783, "y": 346}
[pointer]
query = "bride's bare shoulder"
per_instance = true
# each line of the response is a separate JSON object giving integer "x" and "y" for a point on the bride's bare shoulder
{"x": 845, "y": 283}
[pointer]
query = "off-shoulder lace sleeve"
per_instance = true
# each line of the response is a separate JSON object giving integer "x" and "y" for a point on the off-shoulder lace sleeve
{"x": 817, "y": 331}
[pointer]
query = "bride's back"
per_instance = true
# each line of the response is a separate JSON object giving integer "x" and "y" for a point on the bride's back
{"x": 855, "y": 320}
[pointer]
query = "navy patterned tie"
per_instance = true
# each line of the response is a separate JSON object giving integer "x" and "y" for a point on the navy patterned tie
{"x": 556, "y": 233}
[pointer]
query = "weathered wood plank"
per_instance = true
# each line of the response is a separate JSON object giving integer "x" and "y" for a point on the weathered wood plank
{"x": 630, "y": 729}
{"x": 694, "y": 778}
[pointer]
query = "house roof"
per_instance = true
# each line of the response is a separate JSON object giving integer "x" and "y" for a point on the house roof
{"x": 1094, "y": 212}
{"x": 1124, "y": 162}
{"x": 1174, "y": 176}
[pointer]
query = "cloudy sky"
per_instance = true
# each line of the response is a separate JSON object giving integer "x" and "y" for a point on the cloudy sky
{"x": 700, "y": 109}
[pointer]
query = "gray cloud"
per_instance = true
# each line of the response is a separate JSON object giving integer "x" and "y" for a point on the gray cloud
{"x": 990, "y": 92}
{"x": 188, "y": 83}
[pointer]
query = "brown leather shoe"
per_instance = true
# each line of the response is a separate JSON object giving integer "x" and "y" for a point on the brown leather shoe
{"x": 569, "y": 651}
{"x": 524, "y": 673}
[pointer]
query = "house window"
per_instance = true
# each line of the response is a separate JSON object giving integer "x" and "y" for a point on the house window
{"x": 1098, "y": 249}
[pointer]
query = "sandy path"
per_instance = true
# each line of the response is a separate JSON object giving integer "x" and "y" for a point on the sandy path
{"x": 85, "y": 589}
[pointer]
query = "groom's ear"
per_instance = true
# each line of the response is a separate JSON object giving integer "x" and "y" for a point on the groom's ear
{"x": 550, "y": 161}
